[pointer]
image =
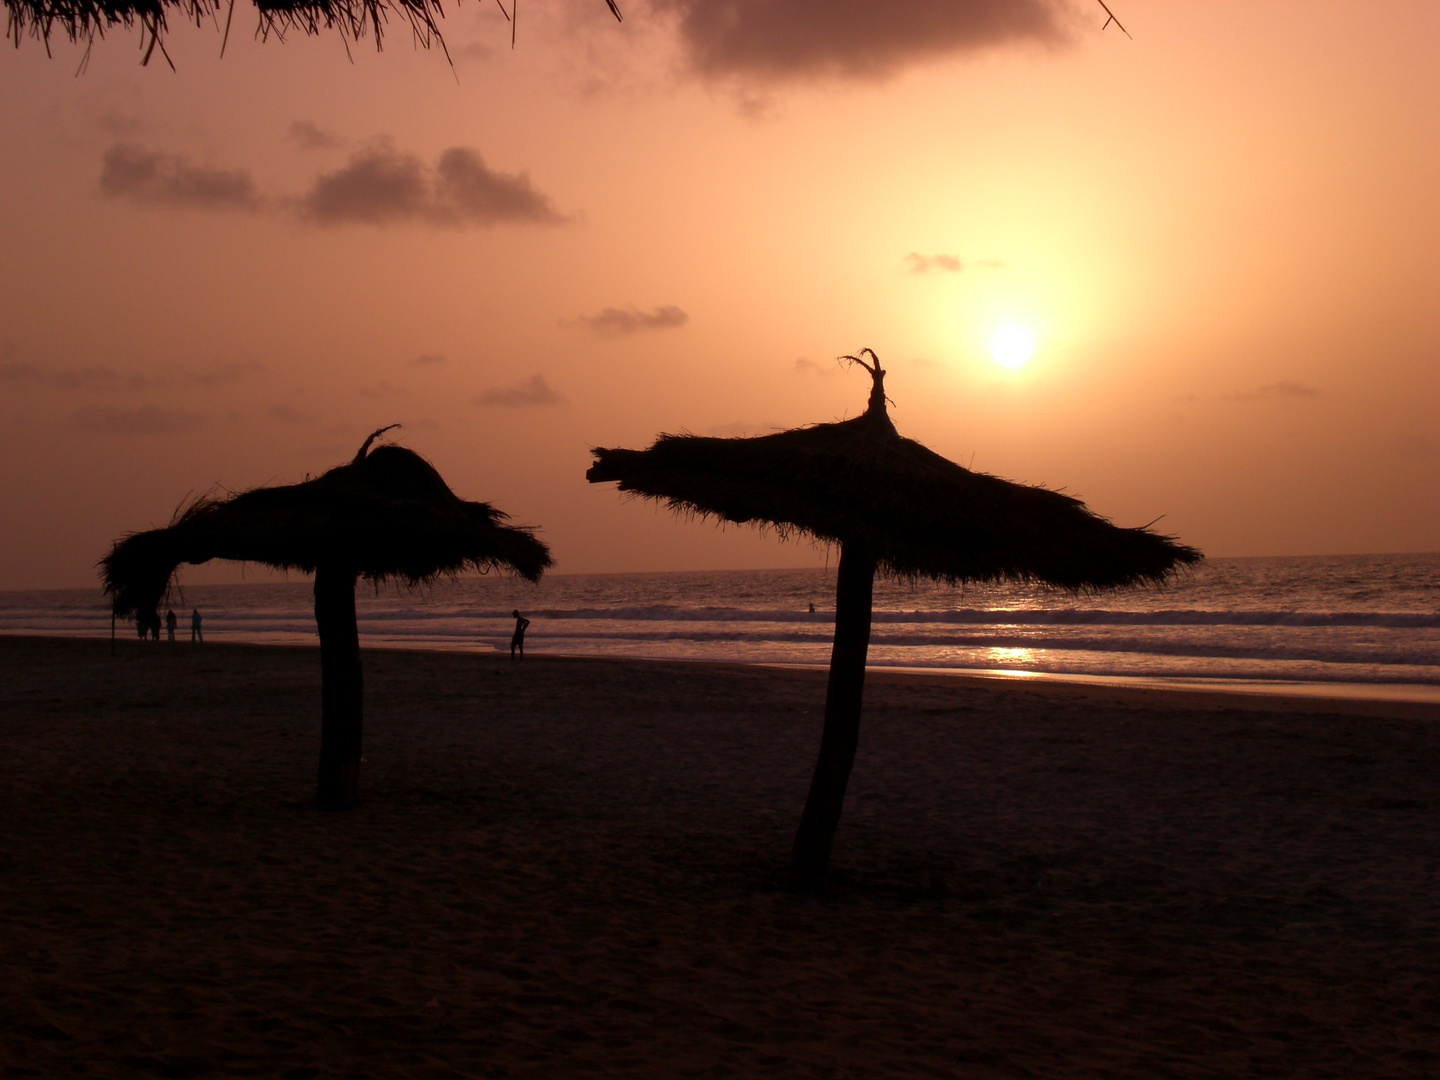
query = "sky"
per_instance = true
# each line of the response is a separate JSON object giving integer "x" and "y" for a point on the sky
{"x": 1208, "y": 250}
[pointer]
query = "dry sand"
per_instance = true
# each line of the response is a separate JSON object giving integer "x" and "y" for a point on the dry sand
{"x": 570, "y": 867}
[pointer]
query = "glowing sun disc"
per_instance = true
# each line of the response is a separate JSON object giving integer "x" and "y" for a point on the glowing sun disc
{"x": 1012, "y": 346}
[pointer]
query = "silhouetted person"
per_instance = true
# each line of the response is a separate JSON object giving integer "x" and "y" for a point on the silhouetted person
{"x": 142, "y": 625}
{"x": 170, "y": 622}
{"x": 195, "y": 632}
{"x": 155, "y": 626}
{"x": 517, "y": 640}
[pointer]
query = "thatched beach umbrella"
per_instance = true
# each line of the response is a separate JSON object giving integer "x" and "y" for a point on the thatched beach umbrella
{"x": 890, "y": 505}
{"x": 386, "y": 516}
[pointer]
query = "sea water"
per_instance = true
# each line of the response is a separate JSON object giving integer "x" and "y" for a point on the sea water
{"x": 1364, "y": 626}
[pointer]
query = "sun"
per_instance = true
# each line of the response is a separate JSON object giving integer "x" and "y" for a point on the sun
{"x": 1012, "y": 346}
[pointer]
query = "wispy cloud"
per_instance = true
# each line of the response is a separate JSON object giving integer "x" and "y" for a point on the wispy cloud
{"x": 288, "y": 414}
{"x": 1417, "y": 447}
{"x": 851, "y": 38}
{"x": 1285, "y": 388}
{"x": 207, "y": 377}
{"x": 132, "y": 172}
{"x": 923, "y": 264}
{"x": 806, "y": 366}
{"x": 428, "y": 359}
{"x": 382, "y": 389}
{"x": 616, "y": 322}
{"x": 381, "y": 186}
{"x": 119, "y": 124}
{"x": 144, "y": 420}
{"x": 310, "y": 136}
{"x": 71, "y": 378}
{"x": 533, "y": 391}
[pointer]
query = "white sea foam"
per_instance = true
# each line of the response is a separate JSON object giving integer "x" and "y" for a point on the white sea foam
{"x": 1359, "y": 620}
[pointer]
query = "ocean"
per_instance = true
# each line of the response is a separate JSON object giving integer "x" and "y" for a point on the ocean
{"x": 1360, "y": 626}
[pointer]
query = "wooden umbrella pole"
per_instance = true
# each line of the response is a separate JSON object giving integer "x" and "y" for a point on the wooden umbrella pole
{"x": 843, "y": 697}
{"x": 340, "y": 701}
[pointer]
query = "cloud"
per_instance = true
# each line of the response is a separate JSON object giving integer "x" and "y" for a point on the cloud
{"x": 289, "y": 415}
{"x": 428, "y": 359}
{"x": 145, "y": 420}
{"x": 71, "y": 378}
{"x": 131, "y": 172}
{"x": 616, "y": 322}
{"x": 382, "y": 389}
{"x": 923, "y": 264}
{"x": 778, "y": 40}
{"x": 116, "y": 123}
{"x": 104, "y": 378}
{"x": 806, "y": 366}
{"x": 475, "y": 50}
{"x": 1285, "y": 388}
{"x": 533, "y": 391}
{"x": 309, "y": 136}
{"x": 381, "y": 186}
{"x": 1417, "y": 447}
{"x": 223, "y": 373}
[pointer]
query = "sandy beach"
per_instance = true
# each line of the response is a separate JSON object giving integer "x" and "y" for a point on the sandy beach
{"x": 574, "y": 867}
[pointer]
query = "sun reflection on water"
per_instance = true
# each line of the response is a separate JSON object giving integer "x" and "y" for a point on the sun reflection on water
{"x": 1009, "y": 656}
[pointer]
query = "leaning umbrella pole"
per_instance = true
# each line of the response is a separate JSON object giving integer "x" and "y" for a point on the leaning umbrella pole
{"x": 341, "y": 687}
{"x": 844, "y": 696}
{"x": 891, "y": 506}
{"x": 387, "y": 515}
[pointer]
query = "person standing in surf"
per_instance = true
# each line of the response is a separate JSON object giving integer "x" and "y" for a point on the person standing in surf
{"x": 517, "y": 640}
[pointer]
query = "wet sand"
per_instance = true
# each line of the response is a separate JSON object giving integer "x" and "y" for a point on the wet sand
{"x": 573, "y": 867}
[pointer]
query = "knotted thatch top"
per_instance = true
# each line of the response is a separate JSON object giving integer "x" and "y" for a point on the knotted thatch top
{"x": 385, "y": 515}
{"x": 920, "y": 515}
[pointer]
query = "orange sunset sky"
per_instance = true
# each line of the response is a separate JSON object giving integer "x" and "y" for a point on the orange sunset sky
{"x": 1221, "y": 237}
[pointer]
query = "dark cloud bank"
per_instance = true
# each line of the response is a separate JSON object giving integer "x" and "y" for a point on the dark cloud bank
{"x": 378, "y": 186}
{"x": 144, "y": 420}
{"x": 310, "y": 136}
{"x": 532, "y": 392}
{"x": 381, "y": 186}
{"x": 799, "y": 38}
{"x": 133, "y": 172}
{"x": 104, "y": 378}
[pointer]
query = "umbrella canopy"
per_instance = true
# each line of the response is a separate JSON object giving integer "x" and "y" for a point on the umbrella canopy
{"x": 922, "y": 515}
{"x": 387, "y": 515}
{"x": 894, "y": 506}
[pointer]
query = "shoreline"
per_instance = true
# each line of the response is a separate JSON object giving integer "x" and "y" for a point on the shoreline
{"x": 1403, "y": 701}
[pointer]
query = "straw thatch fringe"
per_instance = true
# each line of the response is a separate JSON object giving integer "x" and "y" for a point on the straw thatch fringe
{"x": 86, "y": 20}
{"x": 355, "y": 20}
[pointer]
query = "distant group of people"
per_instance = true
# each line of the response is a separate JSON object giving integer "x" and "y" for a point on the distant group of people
{"x": 148, "y": 625}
